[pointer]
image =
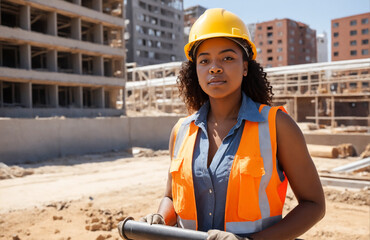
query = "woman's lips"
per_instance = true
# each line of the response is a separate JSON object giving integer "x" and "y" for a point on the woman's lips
{"x": 216, "y": 81}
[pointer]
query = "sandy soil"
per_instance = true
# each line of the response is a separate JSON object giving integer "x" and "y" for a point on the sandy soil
{"x": 84, "y": 197}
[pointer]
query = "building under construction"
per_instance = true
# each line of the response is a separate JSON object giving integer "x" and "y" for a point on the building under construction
{"x": 61, "y": 58}
{"x": 333, "y": 93}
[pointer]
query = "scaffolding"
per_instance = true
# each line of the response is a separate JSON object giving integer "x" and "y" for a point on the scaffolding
{"x": 333, "y": 93}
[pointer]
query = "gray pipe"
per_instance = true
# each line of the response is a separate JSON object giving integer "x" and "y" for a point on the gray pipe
{"x": 132, "y": 230}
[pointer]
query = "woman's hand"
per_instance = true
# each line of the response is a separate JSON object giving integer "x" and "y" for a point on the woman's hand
{"x": 221, "y": 235}
{"x": 153, "y": 218}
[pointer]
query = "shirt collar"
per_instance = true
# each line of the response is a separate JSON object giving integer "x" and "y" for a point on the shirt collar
{"x": 248, "y": 111}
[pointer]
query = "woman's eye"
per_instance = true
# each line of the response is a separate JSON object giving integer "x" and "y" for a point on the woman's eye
{"x": 228, "y": 58}
{"x": 203, "y": 61}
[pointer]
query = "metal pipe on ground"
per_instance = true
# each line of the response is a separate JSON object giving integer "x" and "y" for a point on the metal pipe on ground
{"x": 360, "y": 164}
{"x": 133, "y": 230}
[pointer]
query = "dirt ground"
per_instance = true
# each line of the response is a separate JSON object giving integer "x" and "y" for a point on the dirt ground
{"x": 84, "y": 197}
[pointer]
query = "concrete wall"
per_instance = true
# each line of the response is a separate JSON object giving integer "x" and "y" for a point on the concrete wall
{"x": 30, "y": 140}
{"x": 66, "y": 112}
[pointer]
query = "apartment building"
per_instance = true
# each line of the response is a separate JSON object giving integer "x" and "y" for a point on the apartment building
{"x": 282, "y": 42}
{"x": 155, "y": 31}
{"x": 350, "y": 37}
{"x": 191, "y": 14}
{"x": 252, "y": 30}
{"x": 322, "y": 47}
{"x": 61, "y": 58}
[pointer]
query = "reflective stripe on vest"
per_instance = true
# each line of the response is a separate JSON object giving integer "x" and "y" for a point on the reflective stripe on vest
{"x": 256, "y": 189}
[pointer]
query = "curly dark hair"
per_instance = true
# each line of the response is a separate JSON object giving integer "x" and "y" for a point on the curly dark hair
{"x": 255, "y": 85}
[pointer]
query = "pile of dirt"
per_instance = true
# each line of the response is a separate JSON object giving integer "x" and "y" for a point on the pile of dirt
{"x": 358, "y": 198}
{"x": 7, "y": 172}
{"x": 366, "y": 152}
{"x": 102, "y": 219}
{"x": 147, "y": 152}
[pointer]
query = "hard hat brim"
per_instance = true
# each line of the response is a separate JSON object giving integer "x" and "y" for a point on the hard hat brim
{"x": 188, "y": 48}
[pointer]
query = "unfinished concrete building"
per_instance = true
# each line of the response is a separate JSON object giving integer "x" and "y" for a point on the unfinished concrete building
{"x": 332, "y": 93}
{"x": 61, "y": 58}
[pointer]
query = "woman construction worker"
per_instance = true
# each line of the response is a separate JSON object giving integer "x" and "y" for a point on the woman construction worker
{"x": 231, "y": 160}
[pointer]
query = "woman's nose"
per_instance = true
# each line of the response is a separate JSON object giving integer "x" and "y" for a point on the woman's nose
{"x": 215, "y": 69}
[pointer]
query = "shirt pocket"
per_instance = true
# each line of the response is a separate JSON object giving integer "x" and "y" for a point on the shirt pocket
{"x": 251, "y": 171}
{"x": 178, "y": 193}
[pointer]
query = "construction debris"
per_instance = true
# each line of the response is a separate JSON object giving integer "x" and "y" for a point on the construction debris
{"x": 7, "y": 172}
{"x": 146, "y": 152}
{"x": 366, "y": 153}
{"x": 346, "y": 150}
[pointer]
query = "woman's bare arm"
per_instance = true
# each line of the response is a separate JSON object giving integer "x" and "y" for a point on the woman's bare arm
{"x": 166, "y": 208}
{"x": 303, "y": 178}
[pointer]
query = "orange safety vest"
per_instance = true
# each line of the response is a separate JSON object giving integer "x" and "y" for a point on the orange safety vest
{"x": 256, "y": 188}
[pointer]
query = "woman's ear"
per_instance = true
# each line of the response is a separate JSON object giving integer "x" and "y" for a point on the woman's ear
{"x": 245, "y": 67}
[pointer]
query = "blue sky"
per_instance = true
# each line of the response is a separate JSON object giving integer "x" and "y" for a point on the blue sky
{"x": 315, "y": 13}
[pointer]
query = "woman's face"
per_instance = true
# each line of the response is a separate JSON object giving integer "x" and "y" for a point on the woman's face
{"x": 220, "y": 67}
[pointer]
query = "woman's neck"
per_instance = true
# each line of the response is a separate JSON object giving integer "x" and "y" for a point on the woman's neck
{"x": 224, "y": 109}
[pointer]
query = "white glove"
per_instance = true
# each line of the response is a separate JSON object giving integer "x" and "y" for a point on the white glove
{"x": 221, "y": 235}
{"x": 153, "y": 218}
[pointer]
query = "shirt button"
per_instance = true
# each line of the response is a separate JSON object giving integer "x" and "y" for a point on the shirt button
{"x": 210, "y": 190}
{"x": 210, "y": 214}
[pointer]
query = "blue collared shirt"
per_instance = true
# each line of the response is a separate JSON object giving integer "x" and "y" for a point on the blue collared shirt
{"x": 210, "y": 184}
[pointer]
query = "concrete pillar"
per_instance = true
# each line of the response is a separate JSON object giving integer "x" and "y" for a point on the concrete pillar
{"x": 98, "y": 66}
{"x": 52, "y": 60}
{"x": 108, "y": 67}
{"x": 53, "y": 96}
{"x": 317, "y": 110}
{"x": 368, "y": 120}
{"x": 97, "y": 5}
{"x": 295, "y": 116}
{"x": 113, "y": 96}
{"x": 98, "y": 97}
{"x": 332, "y": 116}
{"x": 76, "y": 28}
{"x": 77, "y": 63}
{"x": 1, "y": 94}
{"x": 1, "y": 48}
{"x": 77, "y": 92}
{"x": 122, "y": 68}
{"x": 78, "y": 2}
{"x": 25, "y": 56}
{"x": 109, "y": 35}
{"x": 52, "y": 28}
{"x": 25, "y": 17}
{"x": 98, "y": 33}
{"x": 26, "y": 94}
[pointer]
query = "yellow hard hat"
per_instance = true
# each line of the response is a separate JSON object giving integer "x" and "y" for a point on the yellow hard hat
{"x": 217, "y": 22}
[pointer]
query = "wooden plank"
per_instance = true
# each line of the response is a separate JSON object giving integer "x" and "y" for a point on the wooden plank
{"x": 323, "y": 151}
